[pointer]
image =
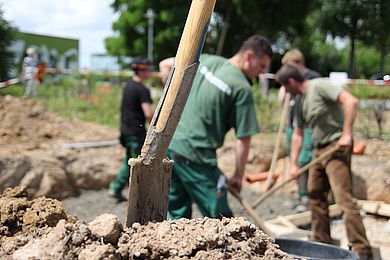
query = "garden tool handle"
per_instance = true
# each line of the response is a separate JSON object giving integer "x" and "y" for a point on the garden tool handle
{"x": 247, "y": 206}
{"x": 179, "y": 83}
{"x": 301, "y": 170}
{"x": 270, "y": 178}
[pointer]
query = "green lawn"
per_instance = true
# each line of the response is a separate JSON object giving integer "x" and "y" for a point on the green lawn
{"x": 70, "y": 98}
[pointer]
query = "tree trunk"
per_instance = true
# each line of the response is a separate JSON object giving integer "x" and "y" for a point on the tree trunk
{"x": 351, "y": 69}
{"x": 383, "y": 51}
{"x": 224, "y": 30}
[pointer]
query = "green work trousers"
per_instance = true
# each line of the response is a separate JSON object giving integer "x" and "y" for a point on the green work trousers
{"x": 304, "y": 157}
{"x": 193, "y": 182}
{"x": 133, "y": 149}
{"x": 334, "y": 173}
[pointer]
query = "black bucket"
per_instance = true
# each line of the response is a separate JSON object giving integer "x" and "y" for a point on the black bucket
{"x": 313, "y": 250}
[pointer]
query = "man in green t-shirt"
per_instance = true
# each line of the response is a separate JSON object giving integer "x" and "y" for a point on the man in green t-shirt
{"x": 296, "y": 56}
{"x": 329, "y": 111}
{"x": 220, "y": 99}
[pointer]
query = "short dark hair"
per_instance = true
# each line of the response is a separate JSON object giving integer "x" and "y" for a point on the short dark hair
{"x": 260, "y": 45}
{"x": 289, "y": 70}
{"x": 141, "y": 63}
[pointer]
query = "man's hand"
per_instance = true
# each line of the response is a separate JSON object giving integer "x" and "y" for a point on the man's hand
{"x": 345, "y": 141}
{"x": 293, "y": 171}
{"x": 235, "y": 183}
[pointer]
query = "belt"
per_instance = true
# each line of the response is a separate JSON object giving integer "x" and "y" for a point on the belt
{"x": 179, "y": 158}
{"x": 320, "y": 146}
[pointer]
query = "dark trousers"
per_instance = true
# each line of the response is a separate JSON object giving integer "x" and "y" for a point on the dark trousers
{"x": 194, "y": 182}
{"x": 133, "y": 149}
{"x": 335, "y": 173}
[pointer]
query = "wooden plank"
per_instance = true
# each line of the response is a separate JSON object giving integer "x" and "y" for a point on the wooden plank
{"x": 375, "y": 207}
{"x": 90, "y": 144}
{"x": 281, "y": 230}
{"x": 304, "y": 218}
{"x": 286, "y": 222}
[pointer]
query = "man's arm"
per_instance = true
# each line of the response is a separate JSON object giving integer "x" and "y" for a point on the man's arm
{"x": 281, "y": 94}
{"x": 242, "y": 151}
{"x": 349, "y": 103}
{"x": 148, "y": 111}
{"x": 165, "y": 67}
{"x": 296, "y": 146}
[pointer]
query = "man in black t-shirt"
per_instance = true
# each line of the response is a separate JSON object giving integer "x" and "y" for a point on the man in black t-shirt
{"x": 136, "y": 108}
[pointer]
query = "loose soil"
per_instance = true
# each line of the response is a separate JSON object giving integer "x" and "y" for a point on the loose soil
{"x": 32, "y": 151}
{"x": 40, "y": 228}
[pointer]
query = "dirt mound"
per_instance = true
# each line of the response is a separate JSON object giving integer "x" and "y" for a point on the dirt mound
{"x": 26, "y": 119}
{"x": 21, "y": 216}
{"x": 32, "y": 151}
{"x": 41, "y": 229}
{"x": 234, "y": 238}
{"x": 29, "y": 121}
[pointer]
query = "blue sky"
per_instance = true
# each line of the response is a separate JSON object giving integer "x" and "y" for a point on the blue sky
{"x": 87, "y": 20}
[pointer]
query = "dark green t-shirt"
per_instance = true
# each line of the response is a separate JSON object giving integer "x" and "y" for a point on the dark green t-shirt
{"x": 220, "y": 99}
{"x": 319, "y": 109}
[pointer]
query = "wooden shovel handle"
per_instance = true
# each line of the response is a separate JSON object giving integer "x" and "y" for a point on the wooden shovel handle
{"x": 270, "y": 182}
{"x": 178, "y": 86}
{"x": 245, "y": 204}
{"x": 188, "y": 52}
{"x": 265, "y": 195}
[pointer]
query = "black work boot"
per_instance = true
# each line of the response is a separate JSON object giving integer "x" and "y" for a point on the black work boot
{"x": 117, "y": 195}
{"x": 365, "y": 256}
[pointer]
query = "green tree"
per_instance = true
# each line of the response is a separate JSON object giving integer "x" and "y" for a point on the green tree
{"x": 132, "y": 27}
{"x": 377, "y": 28}
{"x": 345, "y": 18}
{"x": 320, "y": 53}
{"x": 280, "y": 19}
{"x": 6, "y": 39}
{"x": 233, "y": 21}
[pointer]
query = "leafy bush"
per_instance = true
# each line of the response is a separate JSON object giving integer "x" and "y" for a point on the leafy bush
{"x": 363, "y": 91}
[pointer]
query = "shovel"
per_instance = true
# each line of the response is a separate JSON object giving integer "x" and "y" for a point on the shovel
{"x": 270, "y": 179}
{"x": 250, "y": 210}
{"x": 301, "y": 170}
{"x": 150, "y": 173}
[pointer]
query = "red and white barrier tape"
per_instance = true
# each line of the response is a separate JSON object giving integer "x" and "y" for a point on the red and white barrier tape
{"x": 349, "y": 81}
{"x": 9, "y": 82}
{"x": 369, "y": 82}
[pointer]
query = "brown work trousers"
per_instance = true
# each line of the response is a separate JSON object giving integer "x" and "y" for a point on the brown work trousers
{"x": 334, "y": 172}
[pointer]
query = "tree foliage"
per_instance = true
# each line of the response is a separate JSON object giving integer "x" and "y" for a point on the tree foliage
{"x": 377, "y": 30}
{"x": 307, "y": 25}
{"x": 345, "y": 18}
{"x": 270, "y": 18}
{"x": 240, "y": 19}
{"x": 6, "y": 39}
{"x": 132, "y": 27}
